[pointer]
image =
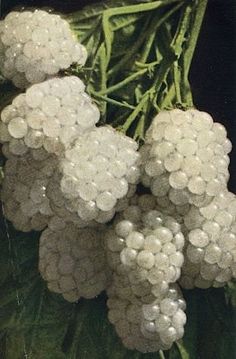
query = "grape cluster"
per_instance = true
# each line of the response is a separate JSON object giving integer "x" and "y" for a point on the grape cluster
{"x": 185, "y": 164}
{"x": 24, "y": 190}
{"x": 35, "y": 45}
{"x": 210, "y": 253}
{"x": 49, "y": 115}
{"x": 97, "y": 171}
{"x": 144, "y": 251}
{"x": 146, "y": 245}
{"x": 148, "y": 327}
{"x": 72, "y": 261}
{"x": 185, "y": 157}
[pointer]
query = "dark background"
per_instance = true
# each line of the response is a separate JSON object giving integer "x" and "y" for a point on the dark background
{"x": 213, "y": 71}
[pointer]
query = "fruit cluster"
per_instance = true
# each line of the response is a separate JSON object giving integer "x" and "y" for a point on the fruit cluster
{"x": 73, "y": 262}
{"x": 35, "y": 45}
{"x": 49, "y": 133}
{"x": 77, "y": 182}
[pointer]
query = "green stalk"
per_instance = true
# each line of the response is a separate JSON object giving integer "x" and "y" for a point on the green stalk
{"x": 166, "y": 103}
{"x": 177, "y": 44}
{"x": 147, "y": 36}
{"x": 184, "y": 354}
{"x": 162, "y": 355}
{"x": 133, "y": 50}
{"x": 123, "y": 83}
{"x": 135, "y": 113}
{"x": 111, "y": 101}
{"x": 198, "y": 15}
{"x": 180, "y": 49}
{"x": 103, "y": 75}
{"x": 195, "y": 27}
{"x": 131, "y": 9}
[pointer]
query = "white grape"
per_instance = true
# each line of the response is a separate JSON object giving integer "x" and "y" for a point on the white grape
{"x": 29, "y": 49}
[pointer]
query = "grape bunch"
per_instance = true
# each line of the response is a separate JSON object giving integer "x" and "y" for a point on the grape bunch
{"x": 183, "y": 148}
{"x": 35, "y": 45}
{"x": 144, "y": 251}
{"x": 72, "y": 261}
{"x": 24, "y": 190}
{"x": 210, "y": 253}
{"x": 148, "y": 327}
{"x": 35, "y": 130}
{"x": 185, "y": 157}
{"x": 142, "y": 242}
{"x": 97, "y": 171}
{"x": 94, "y": 169}
{"x": 48, "y": 115}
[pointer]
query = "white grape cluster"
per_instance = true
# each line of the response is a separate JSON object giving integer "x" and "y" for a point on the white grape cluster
{"x": 185, "y": 157}
{"x": 35, "y": 45}
{"x": 48, "y": 115}
{"x": 147, "y": 326}
{"x": 72, "y": 261}
{"x": 185, "y": 164}
{"x": 97, "y": 171}
{"x": 146, "y": 245}
{"x": 144, "y": 251}
{"x": 95, "y": 168}
{"x": 24, "y": 190}
{"x": 210, "y": 253}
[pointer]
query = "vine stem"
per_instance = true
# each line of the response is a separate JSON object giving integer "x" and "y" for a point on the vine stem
{"x": 132, "y": 51}
{"x": 112, "y": 101}
{"x": 131, "y": 9}
{"x": 123, "y": 83}
{"x": 151, "y": 92}
{"x": 180, "y": 89}
{"x": 148, "y": 36}
{"x": 184, "y": 354}
{"x": 176, "y": 62}
{"x": 134, "y": 114}
{"x": 195, "y": 27}
{"x": 162, "y": 355}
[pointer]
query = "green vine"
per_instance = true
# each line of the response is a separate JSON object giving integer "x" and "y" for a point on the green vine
{"x": 143, "y": 48}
